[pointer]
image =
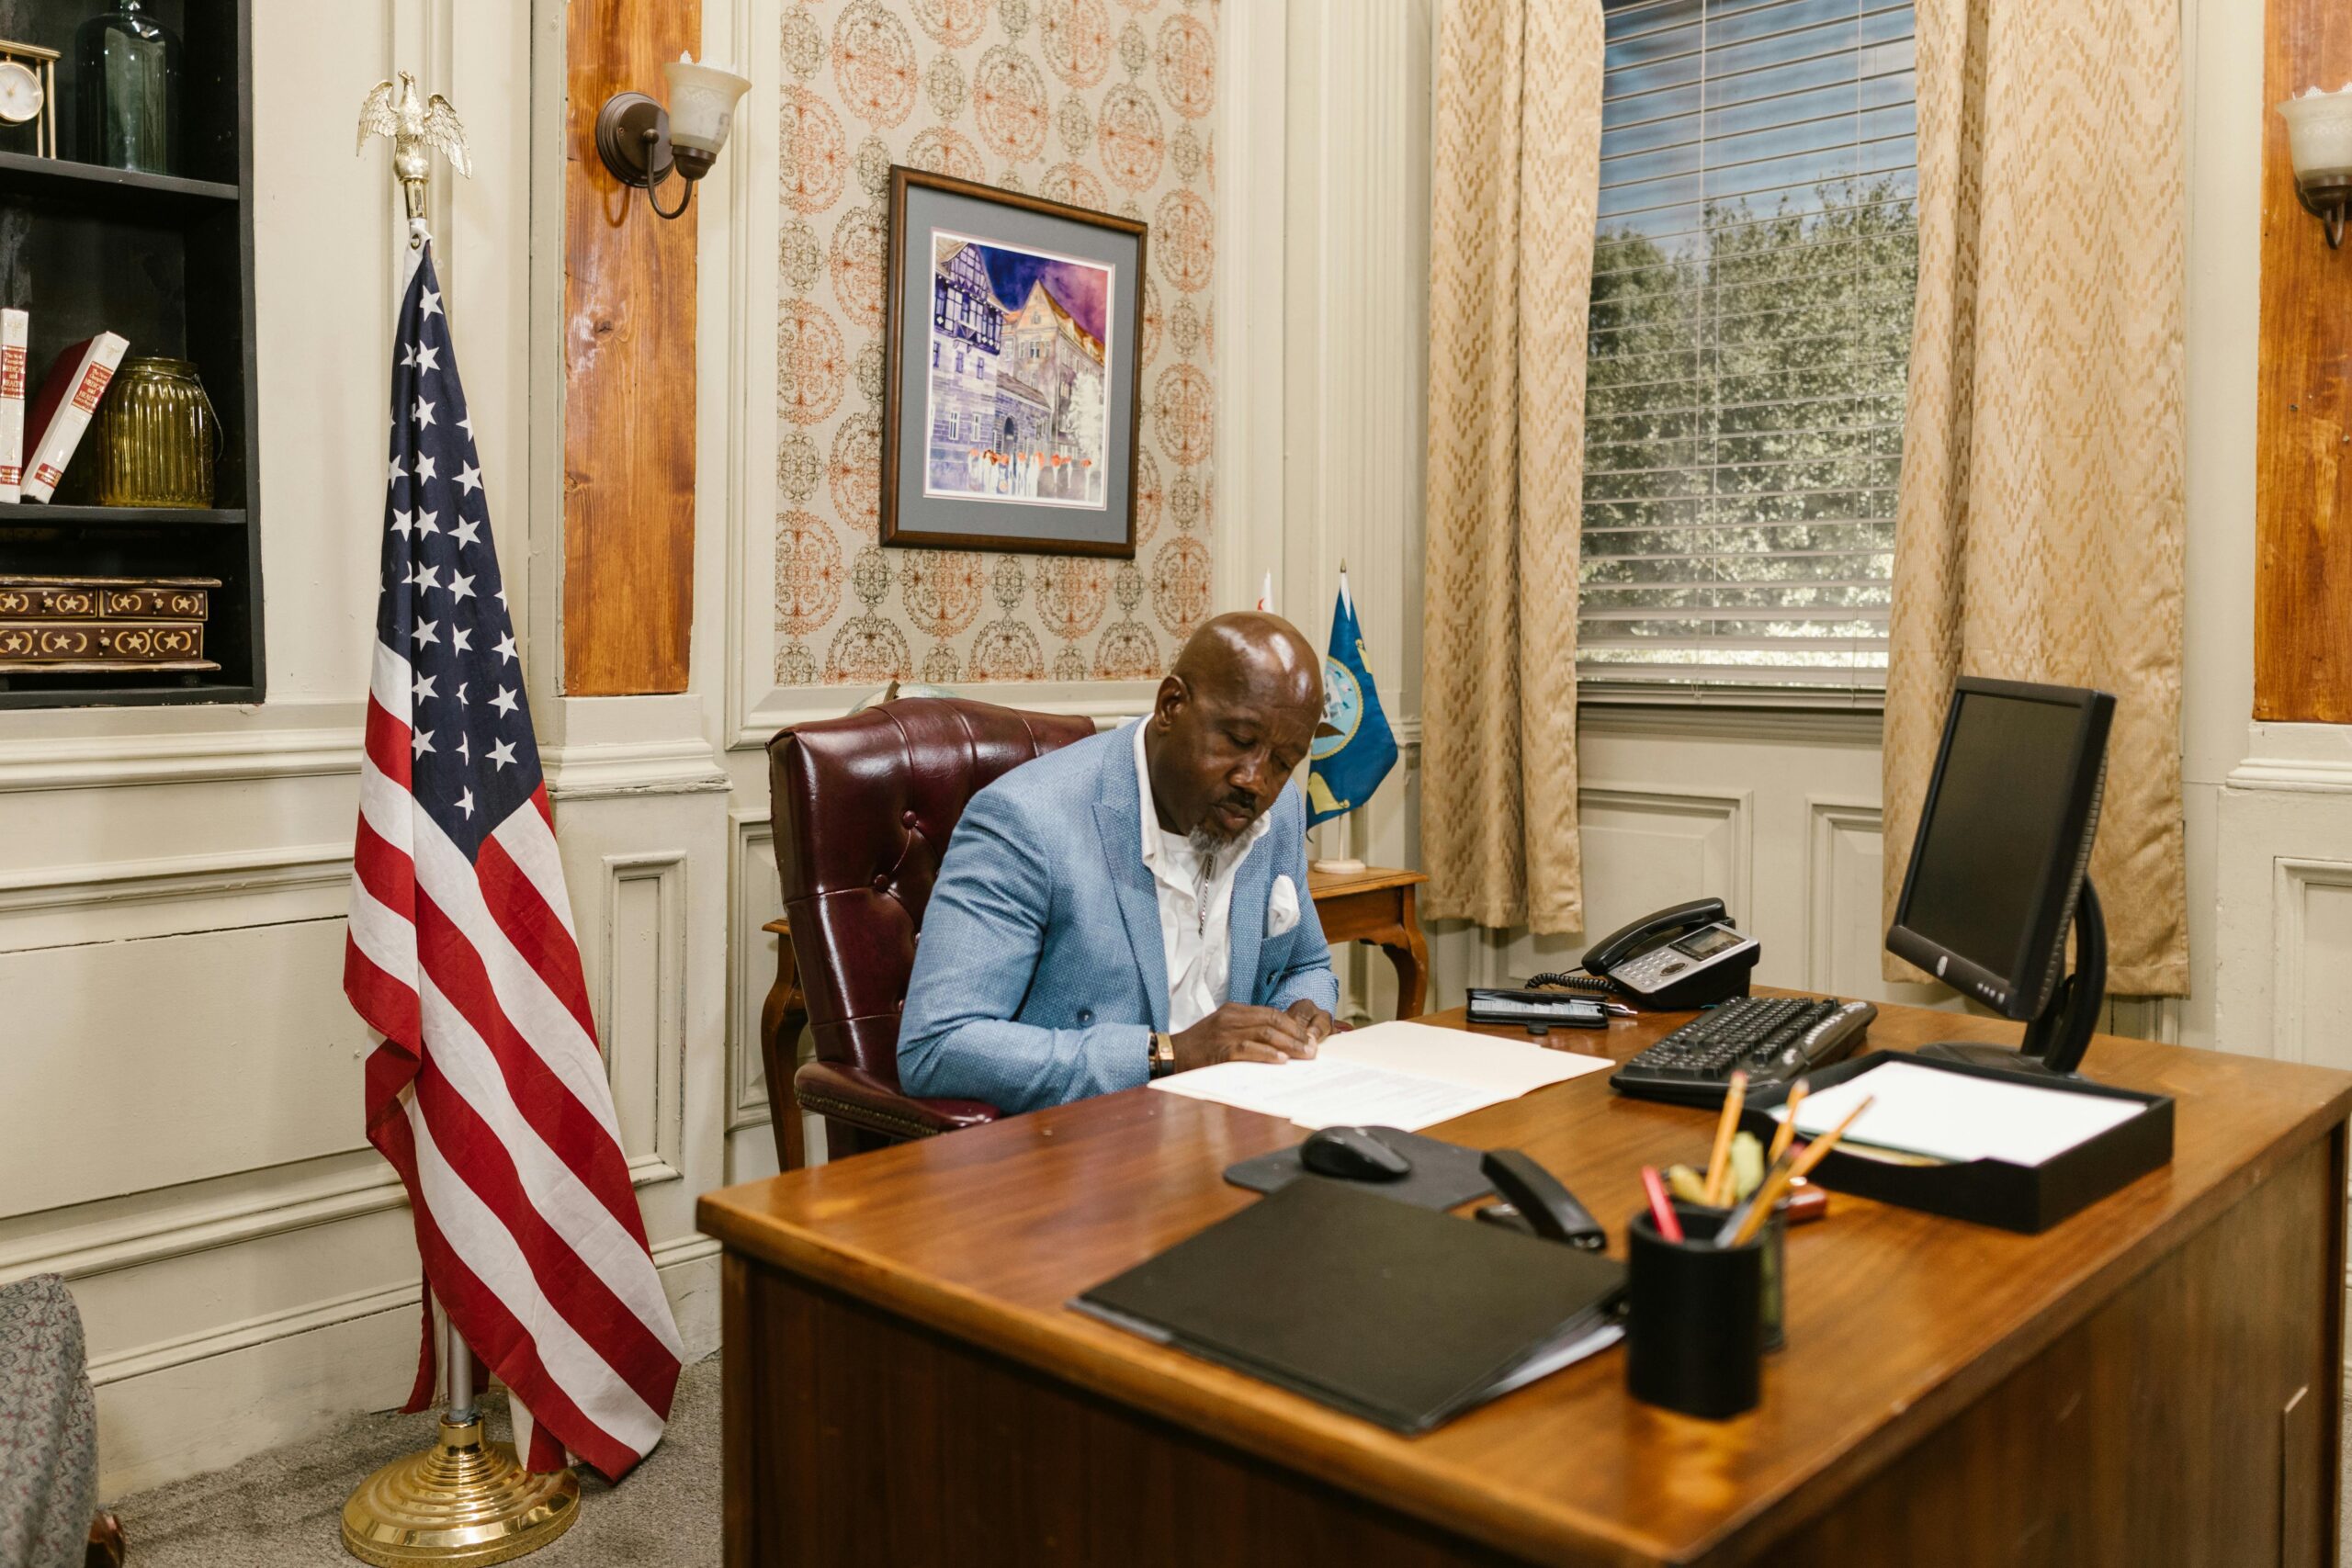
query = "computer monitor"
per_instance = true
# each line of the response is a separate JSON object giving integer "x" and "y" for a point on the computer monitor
{"x": 1997, "y": 871}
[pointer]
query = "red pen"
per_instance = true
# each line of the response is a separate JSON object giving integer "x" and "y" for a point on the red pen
{"x": 1669, "y": 1224}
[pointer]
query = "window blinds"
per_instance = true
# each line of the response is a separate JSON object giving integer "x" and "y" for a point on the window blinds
{"x": 1750, "y": 328}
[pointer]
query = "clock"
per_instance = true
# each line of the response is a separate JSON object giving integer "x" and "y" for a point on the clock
{"x": 21, "y": 95}
{"x": 28, "y": 91}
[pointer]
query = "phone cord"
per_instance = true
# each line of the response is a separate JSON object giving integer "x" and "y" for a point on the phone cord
{"x": 1600, "y": 984}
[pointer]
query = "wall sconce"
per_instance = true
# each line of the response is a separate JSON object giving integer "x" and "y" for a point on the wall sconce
{"x": 641, "y": 143}
{"x": 2319, "y": 142}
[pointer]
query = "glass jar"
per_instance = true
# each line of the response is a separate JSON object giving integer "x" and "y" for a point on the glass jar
{"x": 126, "y": 81}
{"x": 153, "y": 440}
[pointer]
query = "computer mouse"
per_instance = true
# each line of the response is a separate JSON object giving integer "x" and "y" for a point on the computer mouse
{"x": 1353, "y": 1153}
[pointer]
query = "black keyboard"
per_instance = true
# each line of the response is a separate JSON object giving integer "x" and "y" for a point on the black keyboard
{"x": 1775, "y": 1039}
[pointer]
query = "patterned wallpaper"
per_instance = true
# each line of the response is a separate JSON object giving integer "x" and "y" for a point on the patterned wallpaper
{"x": 1105, "y": 104}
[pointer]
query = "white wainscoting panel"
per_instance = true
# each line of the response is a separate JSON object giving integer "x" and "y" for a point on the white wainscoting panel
{"x": 1646, "y": 846}
{"x": 2312, "y": 921}
{"x": 751, "y": 966}
{"x": 131, "y": 1066}
{"x": 1844, "y": 852}
{"x": 643, "y": 1009}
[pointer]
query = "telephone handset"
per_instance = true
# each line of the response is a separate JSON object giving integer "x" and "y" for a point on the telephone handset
{"x": 1688, "y": 955}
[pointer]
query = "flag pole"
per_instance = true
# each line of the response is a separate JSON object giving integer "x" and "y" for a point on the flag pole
{"x": 462, "y": 1501}
{"x": 1339, "y": 865}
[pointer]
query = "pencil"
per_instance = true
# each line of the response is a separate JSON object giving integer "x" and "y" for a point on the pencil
{"x": 1788, "y": 1125}
{"x": 1816, "y": 1151}
{"x": 1719, "y": 1163}
{"x": 1669, "y": 1223}
{"x": 1741, "y": 1225}
{"x": 1741, "y": 1228}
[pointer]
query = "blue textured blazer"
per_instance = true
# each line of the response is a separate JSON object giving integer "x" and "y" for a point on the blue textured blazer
{"x": 1040, "y": 976}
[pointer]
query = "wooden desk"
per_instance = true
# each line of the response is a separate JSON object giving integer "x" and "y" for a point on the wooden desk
{"x": 1374, "y": 904}
{"x": 2156, "y": 1381}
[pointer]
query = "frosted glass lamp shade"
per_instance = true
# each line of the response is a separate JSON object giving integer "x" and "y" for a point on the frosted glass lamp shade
{"x": 702, "y": 104}
{"x": 2319, "y": 143}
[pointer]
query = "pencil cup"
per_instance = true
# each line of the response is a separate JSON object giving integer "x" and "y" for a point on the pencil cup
{"x": 1701, "y": 1220}
{"x": 1694, "y": 1327}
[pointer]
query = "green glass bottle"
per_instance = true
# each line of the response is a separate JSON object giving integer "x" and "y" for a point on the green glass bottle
{"x": 128, "y": 81}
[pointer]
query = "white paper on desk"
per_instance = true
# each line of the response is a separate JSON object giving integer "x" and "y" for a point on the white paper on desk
{"x": 1390, "y": 1075}
{"x": 1956, "y": 1117}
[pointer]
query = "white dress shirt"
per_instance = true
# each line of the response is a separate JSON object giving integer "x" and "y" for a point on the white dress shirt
{"x": 1195, "y": 905}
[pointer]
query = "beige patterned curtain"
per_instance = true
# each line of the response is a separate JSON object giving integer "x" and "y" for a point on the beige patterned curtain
{"x": 2039, "y": 532}
{"x": 1518, "y": 170}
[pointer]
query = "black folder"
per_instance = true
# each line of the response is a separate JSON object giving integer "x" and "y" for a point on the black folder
{"x": 1397, "y": 1314}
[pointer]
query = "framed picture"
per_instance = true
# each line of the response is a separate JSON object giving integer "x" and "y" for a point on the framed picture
{"x": 1011, "y": 391}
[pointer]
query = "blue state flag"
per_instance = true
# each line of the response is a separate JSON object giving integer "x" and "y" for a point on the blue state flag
{"x": 1354, "y": 748}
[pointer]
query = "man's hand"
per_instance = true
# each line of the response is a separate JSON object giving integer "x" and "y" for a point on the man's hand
{"x": 1240, "y": 1032}
{"x": 1319, "y": 1023}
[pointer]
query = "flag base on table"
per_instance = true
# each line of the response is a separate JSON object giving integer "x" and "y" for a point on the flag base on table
{"x": 460, "y": 1501}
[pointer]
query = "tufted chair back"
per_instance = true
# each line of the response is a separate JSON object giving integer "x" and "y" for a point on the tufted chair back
{"x": 863, "y": 807}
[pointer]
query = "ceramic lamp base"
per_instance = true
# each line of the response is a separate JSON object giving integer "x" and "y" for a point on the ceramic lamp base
{"x": 460, "y": 1501}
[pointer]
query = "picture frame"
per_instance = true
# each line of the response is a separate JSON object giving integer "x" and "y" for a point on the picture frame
{"x": 1011, "y": 384}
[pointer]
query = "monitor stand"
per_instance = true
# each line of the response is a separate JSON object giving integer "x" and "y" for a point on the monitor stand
{"x": 2055, "y": 1043}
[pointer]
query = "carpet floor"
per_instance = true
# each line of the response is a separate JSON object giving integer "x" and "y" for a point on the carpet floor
{"x": 283, "y": 1508}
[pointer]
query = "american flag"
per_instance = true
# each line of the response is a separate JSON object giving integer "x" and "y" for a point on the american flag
{"x": 487, "y": 1091}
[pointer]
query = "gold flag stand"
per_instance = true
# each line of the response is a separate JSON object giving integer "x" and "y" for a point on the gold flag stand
{"x": 462, "y": 1501}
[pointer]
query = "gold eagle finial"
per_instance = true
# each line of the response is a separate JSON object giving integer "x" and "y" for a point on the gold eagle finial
{"x": 417, "y": 130}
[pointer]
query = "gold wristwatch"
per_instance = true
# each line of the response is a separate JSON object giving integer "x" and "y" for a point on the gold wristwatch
{"x": 1163, "y": 1054}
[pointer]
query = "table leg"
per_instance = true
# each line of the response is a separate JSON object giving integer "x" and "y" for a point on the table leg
{"x": 782, "y": 1018}
{"x": 1411, "y": 958}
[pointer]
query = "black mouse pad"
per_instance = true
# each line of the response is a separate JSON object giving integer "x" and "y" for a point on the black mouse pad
{"x": 1443, "y": 1175}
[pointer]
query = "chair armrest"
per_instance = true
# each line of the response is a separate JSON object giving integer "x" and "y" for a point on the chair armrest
{"x": 851, "y": 1095}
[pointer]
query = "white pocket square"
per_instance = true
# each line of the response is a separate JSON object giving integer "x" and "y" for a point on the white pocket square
{"x": 1282, "y": 907}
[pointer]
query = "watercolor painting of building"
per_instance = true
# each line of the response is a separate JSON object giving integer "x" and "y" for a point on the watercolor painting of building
{"x": 1018, "y": 367}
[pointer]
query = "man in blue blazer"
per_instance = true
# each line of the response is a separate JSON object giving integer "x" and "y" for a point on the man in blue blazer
{"x": 1135, "y": 904}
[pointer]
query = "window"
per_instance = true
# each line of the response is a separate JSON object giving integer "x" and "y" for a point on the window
{"x": 1750, "y": 334}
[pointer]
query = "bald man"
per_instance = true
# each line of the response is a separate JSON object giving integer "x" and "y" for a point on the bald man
{"x": 1133, "y": 905}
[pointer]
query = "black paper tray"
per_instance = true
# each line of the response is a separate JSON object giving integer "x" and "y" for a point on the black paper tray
{"x": 2030, "y": 1199}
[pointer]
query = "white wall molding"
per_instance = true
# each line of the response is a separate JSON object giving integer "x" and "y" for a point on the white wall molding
{"x": 2291, "y": 775}
{"x": 1693, "y": 722}
{"x": 322, "y": 1192}
{"x": 1826, "y": 819}
{"x": 117, "y": 761}
{"x": 56, "y": 905}
{"x": 340, "y": 1187}
{"x": 786, "y": 705}
{"x": 165, "y": 1353}
{"x": 617, "y": 770}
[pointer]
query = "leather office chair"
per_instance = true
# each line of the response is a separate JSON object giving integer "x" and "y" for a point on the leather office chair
{"x": 861, "y": 808}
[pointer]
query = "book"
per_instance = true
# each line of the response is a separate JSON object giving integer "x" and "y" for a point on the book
{"x": 68, "y": 397}
{"x": 14, "y": 327}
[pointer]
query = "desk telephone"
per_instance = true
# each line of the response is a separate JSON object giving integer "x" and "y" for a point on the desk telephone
{"x": 1689, "y": 955}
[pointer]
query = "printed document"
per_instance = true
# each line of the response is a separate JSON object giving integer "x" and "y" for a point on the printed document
{"x": 1952, "y": 1116}
{"x": 1403, "y": 1075}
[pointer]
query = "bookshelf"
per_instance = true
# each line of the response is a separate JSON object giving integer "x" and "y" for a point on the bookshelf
{"x": 168, "y": 261}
